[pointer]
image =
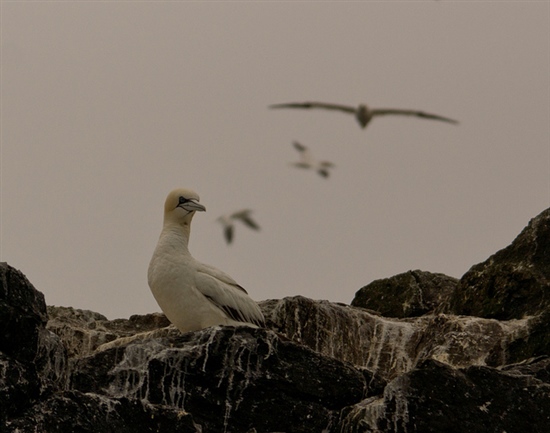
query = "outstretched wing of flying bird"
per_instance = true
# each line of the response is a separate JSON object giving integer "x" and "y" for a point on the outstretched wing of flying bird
{"x": 334, "y": 107}
{"x": 244, "y": 216}
{"x": 386, "y": 111}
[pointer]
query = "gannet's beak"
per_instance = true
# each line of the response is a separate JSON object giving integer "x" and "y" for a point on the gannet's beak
{"x": 191, "y": 205}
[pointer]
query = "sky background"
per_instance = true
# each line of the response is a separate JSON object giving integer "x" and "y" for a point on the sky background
{"x": 107, "y": 106}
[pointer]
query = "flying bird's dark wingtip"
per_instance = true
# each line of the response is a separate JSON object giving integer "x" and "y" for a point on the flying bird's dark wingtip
{"x": 228, "y": 233}
{"x": 452, "y": 121}
{"x": 292, "y": 105}
{"x": 299, "y": 146}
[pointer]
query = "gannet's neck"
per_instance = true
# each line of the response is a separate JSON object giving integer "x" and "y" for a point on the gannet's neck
{"x": 176, "y": 236}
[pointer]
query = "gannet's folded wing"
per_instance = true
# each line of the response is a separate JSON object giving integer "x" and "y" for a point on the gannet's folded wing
{"x": 323, "y": 105}
{"x": 227, "y": 295}
{"x": 216, "y": 273}
{"x": 385, "y": 111}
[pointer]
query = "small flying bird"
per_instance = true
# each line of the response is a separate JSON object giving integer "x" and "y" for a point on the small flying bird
{"x": 227, "y": 221}
{"x": 194, "y": 295}
{"x": 363, "y": 113}
{"x": 307, "y": 161}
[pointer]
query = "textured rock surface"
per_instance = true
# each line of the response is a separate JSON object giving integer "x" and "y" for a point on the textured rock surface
{"x": 230, "y": 379}
{"x": 73, "y": 411}
{"x": 317, "y": 367}
{"x": 512, "y": 283}
{"x": 410, "y": 294}
{"x": 33, "y": 361}
{"x": 83, "y": 331}
{"x": 438, "y": 398}
{"x": 391, "y": 347}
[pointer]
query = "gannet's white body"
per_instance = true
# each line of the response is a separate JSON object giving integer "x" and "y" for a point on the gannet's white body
{"x": 194, "y": 295}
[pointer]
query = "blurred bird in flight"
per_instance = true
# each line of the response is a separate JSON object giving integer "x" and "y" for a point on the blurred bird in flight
{"x": 227, "y": 221}
{"x": 363, "y": 114}
{"x": 307, "y": 161}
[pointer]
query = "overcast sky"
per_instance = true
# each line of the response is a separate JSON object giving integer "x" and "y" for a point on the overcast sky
{"x": 107, "y": 106}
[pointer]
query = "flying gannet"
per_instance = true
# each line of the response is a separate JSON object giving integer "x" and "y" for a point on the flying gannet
{"x": 363, "y": 113}
{"x": 227, "y": 221}
{"x": 307, "y": 161}
{"x": 194, "y": 295}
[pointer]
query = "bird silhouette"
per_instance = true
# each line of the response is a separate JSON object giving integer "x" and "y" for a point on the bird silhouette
{"x": 307, "y": 161}
{"x": 227, "y": 221}
{"x": 363, "y": 113}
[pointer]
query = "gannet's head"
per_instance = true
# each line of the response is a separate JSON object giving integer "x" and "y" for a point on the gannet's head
{"x": 180, "y": 206}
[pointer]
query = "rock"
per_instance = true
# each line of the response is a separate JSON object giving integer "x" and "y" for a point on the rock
{"x": 83, "y": 331}
{"x": 33, "y": 361}
{"x": 349, "y": 334}
{"x": 73, "y": 411}
{"x": 534, "y": 343}
{"x": 230, "y": 379}
{"x": 438, "y": 398}
{"x": 410, "y": 294}
{"x": 464, "y": 341}
{"x": 317, "y": 367}
{"x": 22, "y": 315}
{"x": 514, "y": 282}
{"x": 391, "y": 347}
{"x": 538, "y": 367}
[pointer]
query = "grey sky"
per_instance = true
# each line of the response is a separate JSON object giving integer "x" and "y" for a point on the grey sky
{"x": 108, "y": 106}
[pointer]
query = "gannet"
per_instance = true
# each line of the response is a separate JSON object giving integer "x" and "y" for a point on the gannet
{"x": 307, "y": 161}
{"x": 227, "y": 221}
{"x": 363, "y": 113}
{"x": 194, "y": 295}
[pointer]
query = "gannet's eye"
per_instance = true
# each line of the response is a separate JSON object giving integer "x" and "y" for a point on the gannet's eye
{"x": 183, "y": 200}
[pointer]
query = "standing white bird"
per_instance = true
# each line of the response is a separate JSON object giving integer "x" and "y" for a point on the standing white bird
{"x": 194, "y": 295}
{"x": 363, "y": 113}
{"x": 307, "y": 161}
{"x": 227, "y": 221}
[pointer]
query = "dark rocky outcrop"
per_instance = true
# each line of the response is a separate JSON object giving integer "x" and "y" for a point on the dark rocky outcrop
{"x": 230, "y": 379}
{"x": 74, "y": 411}
{"x": 514, "y": 282}
{"x": 418, "y": 352}
{"x": 391, "y": 347}
{"x": 438, "y": 398}
{"x": 410, "y": 294}
{"x": 33, "y": 361}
